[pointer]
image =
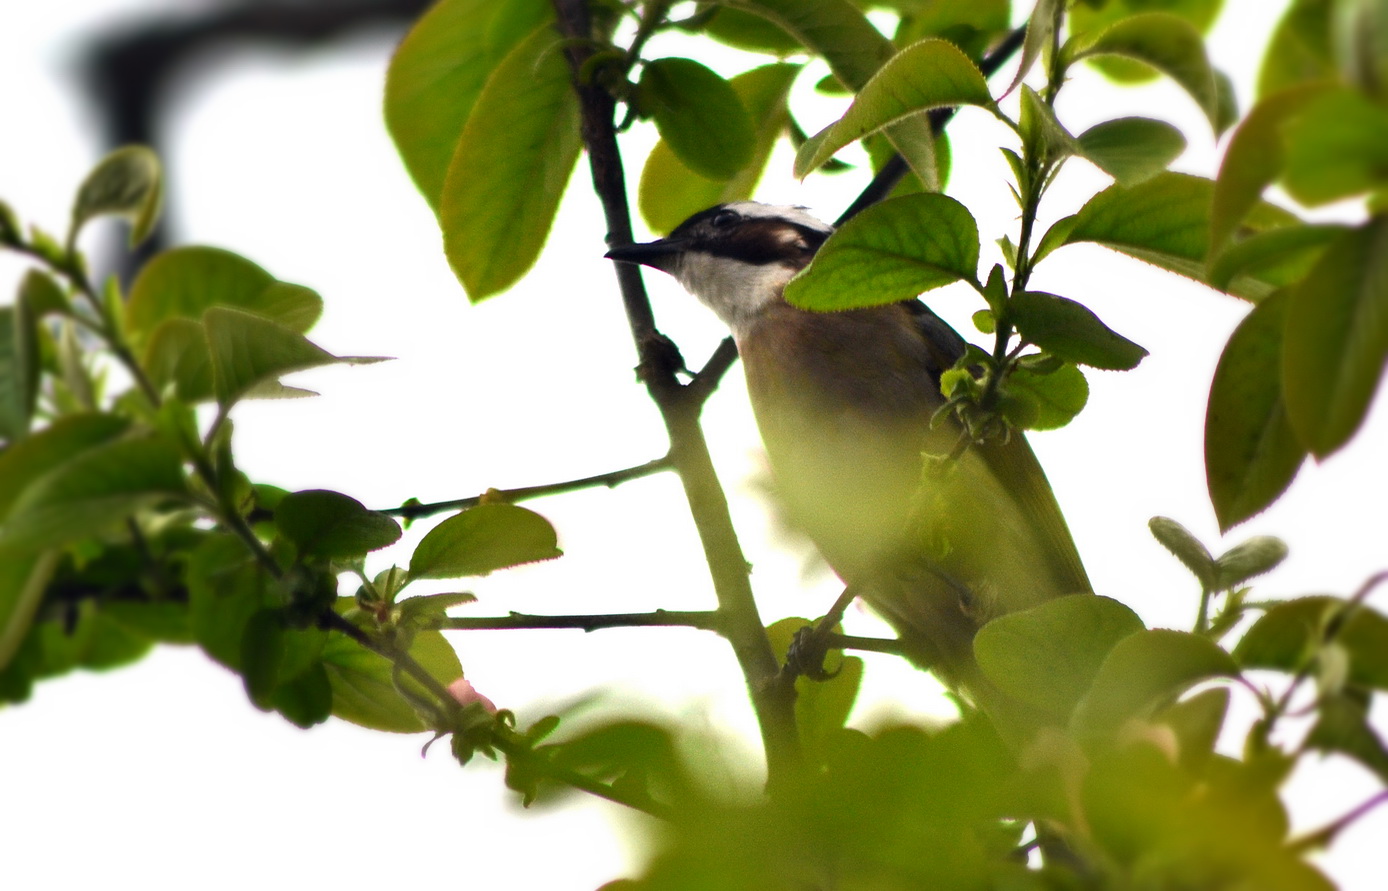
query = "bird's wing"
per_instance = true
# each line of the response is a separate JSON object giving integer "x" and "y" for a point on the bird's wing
{"x": 1012, "y": 462}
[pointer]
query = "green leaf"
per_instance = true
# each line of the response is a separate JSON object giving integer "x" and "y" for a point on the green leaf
{"x": 1043, "y": 136}
{"x": 1164, "y": 221}
{"x": 746, "y": 31}
{"x": 329, "y": 524}
{"x": 892, "y": 251}
{"x": 23, "y": 580}
{"x": 1279, "y": 257}
{"x": 1254, "y": 557}
{"x": 225, "y": 588}
{"x": 1197, "y": 721}
{"x": 305, "y": 700}
{"x": 27, "y": 461}
{"x": 1337, "y": 147}
{"x": 1132, "y": 150}
{"x": 41, "y": 295}
{"x": 1337, "y": 338}
{"x": 1169, "y": 44}
{"x": 670, "y": 192}
{"x": 482, "y": 539}
{"x": 513, "y": 160}
{"x": 88, "y": 639}
{"x": 95, "y": 489}
{"x": 1342, "y": 725}
{"x": 821, "y": 706}
{"x": 249, "y": 351}
{"x": 1042, "y": 26}
{"x": 835, "y": 30}
{"x": 1299, "y": 50}
{"x": 925, "y": 75}
{"x": 19, "y": 370}
{"x": 1254, "y": 159}
{"x": 1187, "y": 548}
{"x": 129, "y": 183}
{"x": 1290, "y": 634}
{"x": 1053, "y": 397}
{"x": 362, "y": 685}
{"x": 429, "y": 610}
{"x": 699, "y": 115}
{"x": 1048, "y": 656}
{"x": 262, "y": 655}
{"x": 434, "y": 80}
{"x": 177, "y": 354}
{"x": 1071, "y": 331}
{"x": 184, "y": 282}
{"x": 1143, "y": 671}
{"x": 164, "y": 621}
{"x": 1251, "y": 452}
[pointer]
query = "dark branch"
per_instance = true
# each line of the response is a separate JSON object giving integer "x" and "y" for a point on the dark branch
{"x": 706, "y": 381}
{"x": 705, "y": 620}
{"x": 609, "y": 479}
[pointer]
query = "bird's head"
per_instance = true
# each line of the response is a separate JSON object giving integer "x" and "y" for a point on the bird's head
{"x": 736, "y": 258}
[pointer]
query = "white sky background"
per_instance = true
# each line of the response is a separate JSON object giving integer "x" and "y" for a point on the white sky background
{"x": 165, "y": 772}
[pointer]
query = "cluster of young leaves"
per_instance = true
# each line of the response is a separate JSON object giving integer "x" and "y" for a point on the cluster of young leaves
{"x": 125, "y": 522}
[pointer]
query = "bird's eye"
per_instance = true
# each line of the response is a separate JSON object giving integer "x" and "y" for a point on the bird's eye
{"x": 725, "y": 218}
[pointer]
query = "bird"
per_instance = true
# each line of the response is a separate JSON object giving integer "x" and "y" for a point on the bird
{"x": 935, "y": 539}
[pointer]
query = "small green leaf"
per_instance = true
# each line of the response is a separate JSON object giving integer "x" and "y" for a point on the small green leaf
{"x": 925, "y": 75}
{"x": 249, "y": 351}
{"x": 1254, "y": 159}
{"x": 23, "y": 580}
{"x": 93, "y": 490}
{"x": 746, "y": 31}
{"x": 1187, "y": 548}
{"x": 890, "y": 252}
{"x": 262, "y": 655}
{"x": 670, "y": 192}
{"x": 1070, "y": 330}
{"x": 1337, "y": 147}
{"x": 429, "y": 610}
{"x": 1132, "y": 150}
{"x": 1146, "y": 670}
{"x": 1043, "y": 136}
{"x": 1337, "y": 338}
{"x": 1042, "y": 26}
{"x": 184, "y": 282}
{"x": 1169, "y": 44}
{"x": 513, "y": 161}
{"x": 482, "y": 539}
{"x": 41, "y": 295}
{"x": 1048, "y": 655}
{"x": 1342, "y": 725}
{"x": 1251, "y": 452}
{"x": 19, "y": 370}
{"x": 1248, "y": 559}
{"x": 1290, "y": 634}
{"x": 329, "y": 524}
{"x": 129, "y": 183}
{"x": 699, "y": 115}
{"x": 1054, "y": 395}
{"x": 433, "y": 82}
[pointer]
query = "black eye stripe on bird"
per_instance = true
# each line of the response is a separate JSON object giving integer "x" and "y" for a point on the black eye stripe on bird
{"x": 844, "y": 402}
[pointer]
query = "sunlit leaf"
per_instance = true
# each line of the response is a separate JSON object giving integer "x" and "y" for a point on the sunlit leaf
{"x": 1054, "y": 397}
{"x": 129, "y": 183}
{"x": 1132, "y": 150}
{"x": 892, "y": 251}
{"x": 362, "y": 686}
{"x": 1248, "y": 559}
{"x": 1336, "y": 147}
{"x": 1071, "y": 331}
{"x": 512, "y": 163}
{"x": 482, "y": 539}
{"x": 330, "y": 524}
{"x": 1299, "y": 50}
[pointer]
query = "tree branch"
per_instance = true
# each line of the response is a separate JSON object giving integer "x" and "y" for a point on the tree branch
{"x": 706, "y": 620}
{"x": 610, "y": 479}
{"x": 742, "y": 624}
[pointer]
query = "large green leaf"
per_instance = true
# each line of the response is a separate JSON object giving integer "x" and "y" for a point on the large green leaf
{"x": 1132, "y": 150}
{"x": 512, "y": 163}
{"x": 1048, "y": 656}
{"x": 184, "y": 282}
{"x": 1251, "y": 453}
{"x": 23, "y": 579}
{"x": 1168, "y": 43}
{"x": 225, "y": 588}
{"x": 129, "y": 183}
{"x": 1291, "y": 633}
{"x": 93, "y": 490}
{"x": 363, "y": 687}
{"x": 1299, "y": 51}
{"x": 25, "y": 463}
{"x": 482, "y": 539}
{"x": 892, "y": 251}
{"x": 1337, "y": 147}
{"x": 1164, "y": 221}
{"x": 699, "y": 115}
{"x": 434, "y": 80}
{"x": 1279, "y": 257}
{"x": 670, "y": 192}
{"x": 1337, "y": 338}
{"x": 1145, "y": 670}
{"x": 925, "y": 75}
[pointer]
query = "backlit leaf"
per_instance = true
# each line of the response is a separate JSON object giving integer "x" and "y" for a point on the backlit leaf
{"x": 699, "y": 115}
{"x": 1071, "y": 331}
{"x": 482, "y": 539}
{"x": 129, "y": 183}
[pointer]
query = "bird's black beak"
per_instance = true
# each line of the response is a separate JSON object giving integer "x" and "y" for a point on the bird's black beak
{"x": 659, "y": 254}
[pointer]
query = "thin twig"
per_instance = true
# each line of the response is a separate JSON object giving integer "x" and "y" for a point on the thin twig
{"x": 610, "y": 479}
{"x": 707, "y": 620}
